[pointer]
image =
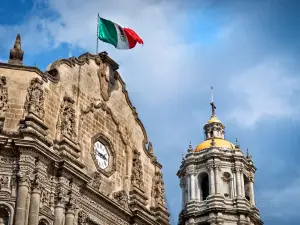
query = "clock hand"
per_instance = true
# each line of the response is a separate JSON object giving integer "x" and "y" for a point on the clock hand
{"x": 101, "y": 155}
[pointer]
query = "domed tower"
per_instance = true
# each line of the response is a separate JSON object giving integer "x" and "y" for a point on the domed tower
{"x": 217, "y": 181}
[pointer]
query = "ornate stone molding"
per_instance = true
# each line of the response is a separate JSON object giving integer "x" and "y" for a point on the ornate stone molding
{"x": 3, "y": 94}
{"x": 34, "y": 102}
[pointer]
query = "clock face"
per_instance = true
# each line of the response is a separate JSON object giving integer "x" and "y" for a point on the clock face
{"x": 101, "y": 155}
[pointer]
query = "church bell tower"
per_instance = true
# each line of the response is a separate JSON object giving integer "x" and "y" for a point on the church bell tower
{"x": 217, "y": 181}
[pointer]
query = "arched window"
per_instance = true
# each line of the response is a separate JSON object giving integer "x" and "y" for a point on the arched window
{"x": 246, "y": 187}
{"x": 4, "y": 216}
{"x": 204, "y": 186}
{"x": 227, "y": 185}
{"x": 43, "y": 222}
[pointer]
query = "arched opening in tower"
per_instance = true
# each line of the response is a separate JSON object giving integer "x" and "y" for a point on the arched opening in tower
{"x": 204, "y": 186}
{"x": 246, "y": 187}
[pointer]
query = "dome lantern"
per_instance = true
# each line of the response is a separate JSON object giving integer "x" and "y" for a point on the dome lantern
{"x": 213, "y": 128}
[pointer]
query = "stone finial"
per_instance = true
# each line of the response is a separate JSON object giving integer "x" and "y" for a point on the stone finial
{"x": 237, "y": 145}
{"x": 248, "y": 156}
{"x": 190, "y": 149}
{"x": 16, "y": 53}
{"x": 182, "y": 157}
{"x": 150, "y": 148}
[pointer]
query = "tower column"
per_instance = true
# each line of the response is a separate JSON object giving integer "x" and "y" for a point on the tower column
{"x": 59, "y": 208}
{"x": 238, "y": 183}
{"x": 242, "y": 183}
{"x": 24, "y": 183}
{"x": 33, "y": 218}
{"x": 251, "y": 187}
{"x": 193, "y": 189}
{"x": 234, "y": 184}
{"x": 188, "y": 182}
{"x": 212, "y": 179}
{"x": 217, "y": 179}
{"x": 182, "y": 186}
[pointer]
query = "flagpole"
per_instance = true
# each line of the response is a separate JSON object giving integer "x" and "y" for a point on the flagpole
{"x": 97, "y": 34}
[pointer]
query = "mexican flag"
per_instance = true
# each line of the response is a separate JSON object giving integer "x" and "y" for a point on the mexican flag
{"x": 120, "y": 37}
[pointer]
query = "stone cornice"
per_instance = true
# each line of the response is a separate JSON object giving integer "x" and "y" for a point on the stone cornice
{"x": 49, "y": 75}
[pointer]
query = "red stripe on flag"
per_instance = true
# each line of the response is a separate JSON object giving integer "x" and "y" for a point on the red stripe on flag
{"x": 132, "y": 37}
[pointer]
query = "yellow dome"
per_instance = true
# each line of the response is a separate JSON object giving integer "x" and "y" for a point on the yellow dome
{"x": 213, "y": 119}
{"x": 219, "y": 143}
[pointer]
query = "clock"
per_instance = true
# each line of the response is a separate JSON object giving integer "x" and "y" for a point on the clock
{"x": 101, "y": 155}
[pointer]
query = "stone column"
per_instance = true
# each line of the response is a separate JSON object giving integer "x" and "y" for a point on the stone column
{"x": 182, "y": 186}
{"x": 251, "y": 187}
{"x": 234, "y": 184}
{"x": 231, "y": 188}
{"x": 193, "y": 189}
{"x": 59, "y": 209}
{"x": 188, "y": 180}
{"x": 217, "y": 178}
{"x": 212, "y": 180}
{"x": 24, "y": 184}
{"x": 34, "y": 209}
{"x": 242, "y": 183}
{"x": 70, "y": 214}
{"x": 239, "y": 187}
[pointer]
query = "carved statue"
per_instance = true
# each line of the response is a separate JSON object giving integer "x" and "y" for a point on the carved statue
{"x": 158, "y": 190}
{"x": 107, "y": 82}
{"x": 66, "y": 120}
{"x": 35, "y": 98}
{"x": 137, "y": 171}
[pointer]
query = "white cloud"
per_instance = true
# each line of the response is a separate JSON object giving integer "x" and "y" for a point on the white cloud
{"x": 267, "y": 89}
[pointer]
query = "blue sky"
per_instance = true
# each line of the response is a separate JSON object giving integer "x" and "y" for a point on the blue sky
{"x": 248, "y": 50}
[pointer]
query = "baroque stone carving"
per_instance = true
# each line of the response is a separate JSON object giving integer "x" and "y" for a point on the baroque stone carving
{"x": 4, "y": 182}
{"x": 66, "y": 120}
{"x": 96, "y": 182}
{"x": 121, "y": 197}
{"x": 37, "y": 182}
{"x": 82, "y": 218}
{"x": 35, "y": 98}
{"x": 158, "y": 190}
{"x": 137, "y": 171}
{"x": 150, "y": 149}
{"x": 45, "y": 199}
{"x": 3, "y": 94}
{"x": 107, "y": 81}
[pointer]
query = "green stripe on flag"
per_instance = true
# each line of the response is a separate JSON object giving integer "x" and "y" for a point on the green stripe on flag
{"x": 107, "y": 32}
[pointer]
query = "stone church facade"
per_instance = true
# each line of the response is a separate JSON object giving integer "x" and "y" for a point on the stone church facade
{"x": 72, "y": 148}
{"x": 217, "y": 181}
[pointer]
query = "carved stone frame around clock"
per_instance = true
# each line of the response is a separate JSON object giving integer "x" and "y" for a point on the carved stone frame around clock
{"x": 112, "y": 155}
